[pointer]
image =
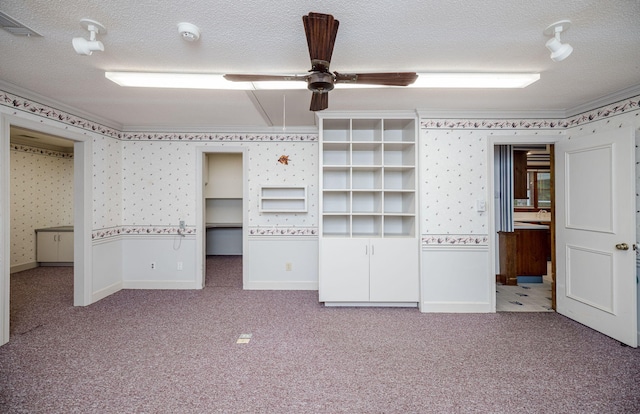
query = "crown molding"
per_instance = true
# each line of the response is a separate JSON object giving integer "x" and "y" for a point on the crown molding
{"x": 497, "y": 114}
{"x": 604, "y": 101}
{"x": 43, "y": 100}
{"x": 221, "y": 130}
{"x": 366, "y": 114}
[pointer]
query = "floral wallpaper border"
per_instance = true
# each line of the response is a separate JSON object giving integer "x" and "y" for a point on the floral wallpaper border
{"x": 175, "y": 230}
{"x": 580, "y": 119}
{"x": 217, "y": 137}
{"x": 283, "y": 231}
{"x": 455, "y": 240}
{"x": 40, "y": 151}
{"x": 36, "y": 108}
{"x": 139, "y": 230}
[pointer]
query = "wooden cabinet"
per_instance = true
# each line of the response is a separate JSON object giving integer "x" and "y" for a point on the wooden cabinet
{"x": 523, "y": 252}
{"x": 54, "y": 245}
{"x": 368, "y": 227}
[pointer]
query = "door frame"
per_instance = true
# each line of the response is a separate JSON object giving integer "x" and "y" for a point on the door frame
{"x": 492, "y": 141}
{"x": 82, "y": 209}
{"x": 201, "y": 228}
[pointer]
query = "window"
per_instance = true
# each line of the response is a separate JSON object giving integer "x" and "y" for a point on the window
{"x": 538, "y": 191}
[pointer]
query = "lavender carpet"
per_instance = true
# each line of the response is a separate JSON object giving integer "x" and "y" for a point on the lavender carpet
{"x": 143, "y": 351}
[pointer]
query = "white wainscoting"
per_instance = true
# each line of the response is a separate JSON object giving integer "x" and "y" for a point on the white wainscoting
{"x": 107, "y": 268}
{"x": 454, "y": 279}
{"x": 268, "y": 259}
{"x": 166, "y": 252}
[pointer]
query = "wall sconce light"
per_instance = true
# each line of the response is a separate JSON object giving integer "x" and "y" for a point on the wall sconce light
{"x": 559, "y": 51}
{"x": 83, "y": 46}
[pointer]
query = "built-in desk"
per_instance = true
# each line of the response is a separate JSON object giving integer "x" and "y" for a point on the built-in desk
{"x": 224, "y": 239}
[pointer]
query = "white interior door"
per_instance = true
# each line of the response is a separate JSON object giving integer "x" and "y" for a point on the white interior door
{"x": 595, "y": 211}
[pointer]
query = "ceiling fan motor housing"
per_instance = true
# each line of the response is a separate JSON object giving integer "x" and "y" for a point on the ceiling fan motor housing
{"x": 321, "y": 82}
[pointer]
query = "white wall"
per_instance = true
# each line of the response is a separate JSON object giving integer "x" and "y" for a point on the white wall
{"x": 41, "y": 196}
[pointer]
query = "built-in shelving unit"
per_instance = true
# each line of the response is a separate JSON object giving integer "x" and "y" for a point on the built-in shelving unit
{"x": 368, "y": 178}
{"x": 368, "y": 192}
{"x": 283, "y": 199}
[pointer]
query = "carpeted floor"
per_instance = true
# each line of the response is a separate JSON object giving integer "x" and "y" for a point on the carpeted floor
{"x": 160, "y": 351}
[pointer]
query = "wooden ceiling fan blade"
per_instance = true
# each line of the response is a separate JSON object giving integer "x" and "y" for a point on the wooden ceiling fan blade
{"x": 319, "y": 101}
{"x": 321, "y": 30}
{"x": 388, "y": 79}
{"x": 263, "y": 78}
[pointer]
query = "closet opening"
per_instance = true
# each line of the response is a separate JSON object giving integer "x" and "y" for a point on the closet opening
{"x": 223, "y": 217}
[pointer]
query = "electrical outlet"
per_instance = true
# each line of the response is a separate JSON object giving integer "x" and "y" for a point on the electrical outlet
{"x": 153, "y": 265}
{"x": 288, "y": 266}
{"x": 179, "y": 265}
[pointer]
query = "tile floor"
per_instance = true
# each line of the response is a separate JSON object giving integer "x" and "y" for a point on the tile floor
{"x": 526, "y": 297}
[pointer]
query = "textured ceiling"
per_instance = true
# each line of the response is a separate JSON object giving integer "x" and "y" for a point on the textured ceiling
{"x": 268, "y": 37}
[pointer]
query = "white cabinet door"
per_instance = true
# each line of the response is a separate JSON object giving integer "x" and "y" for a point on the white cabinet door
{"x": 47, "y": 246}
{"x": 394, "y": 270}
{"x": 344, "y": 270}
{"x": 369, "y": 270}
{"x": 53, "y": 247}
{"x": 65, "y": 246}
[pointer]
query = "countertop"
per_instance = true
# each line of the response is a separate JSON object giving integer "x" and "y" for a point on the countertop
{"x": 529, "y": 226}
{"x": 57, "y": 229}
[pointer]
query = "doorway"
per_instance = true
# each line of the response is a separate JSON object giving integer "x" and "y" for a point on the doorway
{"x": 523, "y": 228}
{"x": 82, "y": 194}
{"x": 221, "y": 214}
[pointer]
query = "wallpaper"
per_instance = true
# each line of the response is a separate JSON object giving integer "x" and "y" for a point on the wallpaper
{"x": 159, "y": 183}
{"x": 454, "y": 175}
{"x": 107, "y": 183}
{"x": 41, "y": 196}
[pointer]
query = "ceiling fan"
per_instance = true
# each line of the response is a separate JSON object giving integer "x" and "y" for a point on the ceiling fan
{"x": 321, "y": 30}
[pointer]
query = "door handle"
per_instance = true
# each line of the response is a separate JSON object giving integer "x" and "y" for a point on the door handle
{"x": 622, "y": 246}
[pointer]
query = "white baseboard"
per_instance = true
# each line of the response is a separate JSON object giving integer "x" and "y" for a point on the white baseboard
{"x": 277, "y": 285}
{"x": 456, "y": 307}
{"x": 159, "y": 284}
{"x": 23, "y": 267}
{"x": 103, "y": 293}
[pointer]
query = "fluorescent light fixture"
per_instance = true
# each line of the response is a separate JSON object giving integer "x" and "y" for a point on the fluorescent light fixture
{"x": 217, "y": 81}
{"x": 175, "y": 80}
{"x": 275, "y": 85}
{"x": 474, "y": 80}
